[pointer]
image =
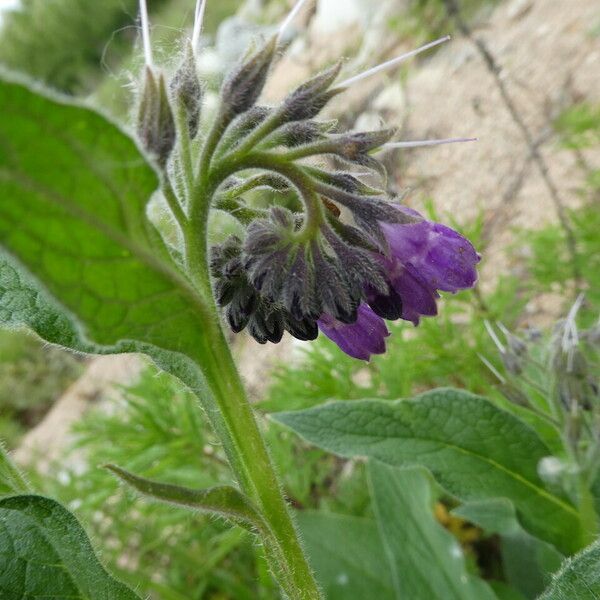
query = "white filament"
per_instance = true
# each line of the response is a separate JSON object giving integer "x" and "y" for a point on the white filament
{"x": 146, "y": 32}
{"x": 494, "y": 337}
{"x": 491, "y": 367}
{"x": 418, "y": 143}
{"x": 291, "y": 16}
{"x": 390, "y": 64}
{"x": 198, "y": 21}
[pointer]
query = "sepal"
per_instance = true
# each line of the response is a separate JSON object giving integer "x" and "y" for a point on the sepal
{"x": 155, "y": 122}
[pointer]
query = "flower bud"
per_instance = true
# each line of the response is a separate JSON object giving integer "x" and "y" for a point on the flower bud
{"x": 244, "y": 84}
{"x": 186, "y": 90}
{"x": 309, "y": 99}
{"x": 295, "y": 134}
{"x": 155, "y": 125}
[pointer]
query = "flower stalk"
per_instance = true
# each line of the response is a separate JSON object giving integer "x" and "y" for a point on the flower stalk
{"x": 301, "y": 271}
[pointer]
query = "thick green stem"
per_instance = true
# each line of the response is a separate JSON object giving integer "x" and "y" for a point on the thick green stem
{"x": 227, "y": 405}
{"x": 253, "y": 468}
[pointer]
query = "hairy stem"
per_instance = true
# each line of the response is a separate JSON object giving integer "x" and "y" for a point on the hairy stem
{"x": 229, "y": 408}
{"x": 253, "y": 468}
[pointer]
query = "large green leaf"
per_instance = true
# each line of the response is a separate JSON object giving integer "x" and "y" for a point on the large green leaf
{"x": 73, "y": 196}
{"x": 45, "y": 553}
{"x": 578, "y": 578}
{"x": 424, "y": 559}
{"x": 474, "y": 449}
{"x": 347, "y": 555}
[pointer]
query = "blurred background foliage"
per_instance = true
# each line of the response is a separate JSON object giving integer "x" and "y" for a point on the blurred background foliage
{"x": 156, "y": 430}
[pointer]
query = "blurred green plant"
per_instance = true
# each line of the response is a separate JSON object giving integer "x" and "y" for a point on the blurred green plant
{"x": 424, "y": 19}
{"x": 33, "y": 375}
{"x": 159, "y": 432}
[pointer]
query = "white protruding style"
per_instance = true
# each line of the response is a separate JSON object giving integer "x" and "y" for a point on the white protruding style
{"x": 198, "y": 22}
{"x": 146, "y": 33}
{"x": 390, "y": 64}
{"x": 419, "y": 143}
{"x": 291, "y": 16}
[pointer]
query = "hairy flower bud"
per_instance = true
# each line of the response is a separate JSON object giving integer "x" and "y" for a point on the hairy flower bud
{"x": 309, "y": 99}
{"x": 244, "y": 84}
{"x": 155, "y": 124}
{"x": 186, "y": 90}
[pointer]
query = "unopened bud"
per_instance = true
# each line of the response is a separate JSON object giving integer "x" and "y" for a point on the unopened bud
{"x": 156, "y": 126}
{"x": 295, "y": 134}
{"x": 309, "y": 99}
{"x": 353, "y": 146}
{"x": 512, "y": 363}
{"x": 244, "y": 84}
{"x": 186, "y": 90}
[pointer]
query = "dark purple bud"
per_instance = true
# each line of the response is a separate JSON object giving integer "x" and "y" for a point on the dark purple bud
{"x": 352, "y": 146}
{"x": 344, "y": 181}
{"x": 244, "y": 84}
{"x": 309, "y": 99}
{"x": 155, "y": 123}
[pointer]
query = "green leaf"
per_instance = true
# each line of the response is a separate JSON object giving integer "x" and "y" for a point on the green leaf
{"x": 493, "y": 516}
{"x": 45, "y": 553}
{"x": 347, "y": 555}
{"x": 474, "y": 449}
{"x": 12, "y": 481}
{"x": 578, "y": 578}
{"x": 527, "y": 561}
{"x": 425, "y": 560}
{"x": 224, "y": 500}
{"x": 74, "y": 190}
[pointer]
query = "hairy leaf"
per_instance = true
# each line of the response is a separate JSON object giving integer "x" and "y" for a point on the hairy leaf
{"x": 12, "y": 480}
{"x": 578, "y": 578}
{"x": 424, "y": 559}
{"x": 224, "y": 500}
{"x": 45, "y": 553}
{"x": 73, "y": 196}
{"x": 474, "y": 449}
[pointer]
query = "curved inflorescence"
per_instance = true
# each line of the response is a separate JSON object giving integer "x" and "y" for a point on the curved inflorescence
{"x": 345, "y": 261}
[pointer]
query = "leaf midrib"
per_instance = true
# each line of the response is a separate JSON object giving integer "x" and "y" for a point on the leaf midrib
{"x": 511, "y": 474}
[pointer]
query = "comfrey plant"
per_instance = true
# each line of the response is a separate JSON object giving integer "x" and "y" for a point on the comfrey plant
{"x": 84, "y": 266}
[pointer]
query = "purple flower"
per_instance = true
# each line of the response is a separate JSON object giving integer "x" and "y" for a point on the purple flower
{"x": 425, "y": 257}
{"x": 360, "y": 339}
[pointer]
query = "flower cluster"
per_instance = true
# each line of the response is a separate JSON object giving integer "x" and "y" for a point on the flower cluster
{"x": 351, "y": 258}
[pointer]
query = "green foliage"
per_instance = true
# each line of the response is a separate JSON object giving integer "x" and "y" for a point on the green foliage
{"x": 423, "y": 19}
{"x": 549, "y": 262}
{"x": 414, "y": 540}
{"x": 475, "y": 450}
{"x": 173, "y": 554}
{"x": 37, "y": 530}
{"x": 347, "y": 554}
{"x": 579, "y": 577}
{"x": 223, "y": 500}
{"x": 12, "y": 481}
{"x": 579, "y": 126}
{"x": 33, "y": 375}
{"x": 61, "y": 42}
{"x": 401, "y": 552}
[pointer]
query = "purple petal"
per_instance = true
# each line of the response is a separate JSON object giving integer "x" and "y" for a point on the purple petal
{"x": 360, "y": 339}
{"x": 443, "y": 259}
{"x": 417, "y": 297}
